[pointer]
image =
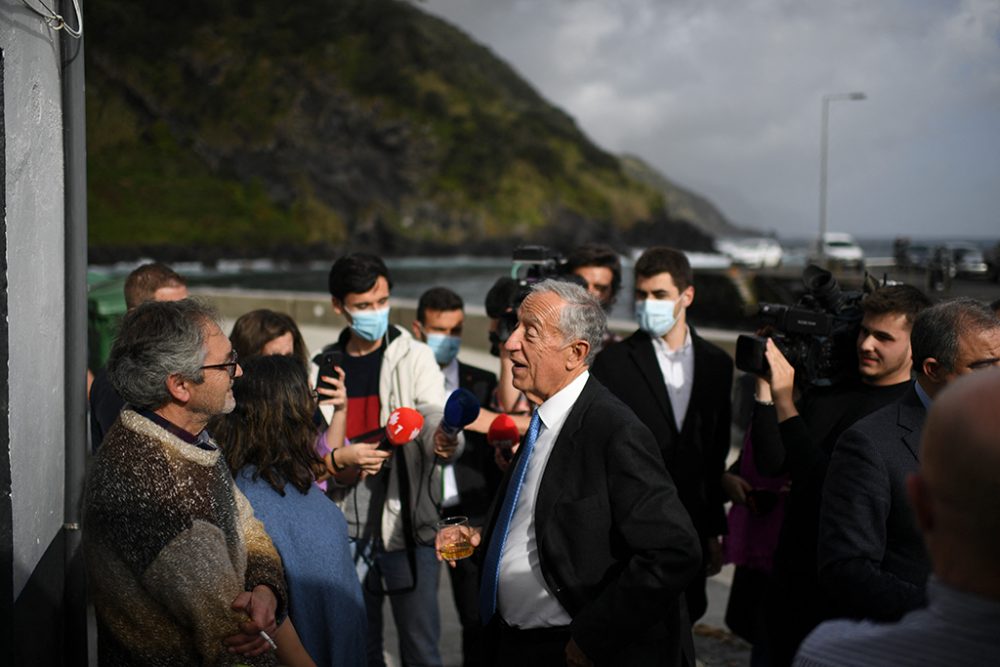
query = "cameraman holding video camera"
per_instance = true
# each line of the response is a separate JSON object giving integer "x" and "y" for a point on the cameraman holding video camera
{"x": 797, "y": 436}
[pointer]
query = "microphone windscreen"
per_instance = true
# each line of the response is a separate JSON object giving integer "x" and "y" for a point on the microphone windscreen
{"x": 403, "y": 426}
{"x": 503, "y": 432}
{"x": 460, "y": 410}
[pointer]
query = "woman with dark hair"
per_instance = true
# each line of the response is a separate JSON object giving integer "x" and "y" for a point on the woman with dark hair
{"x": 269, "y": 443}
{"x": 263, "y": 332}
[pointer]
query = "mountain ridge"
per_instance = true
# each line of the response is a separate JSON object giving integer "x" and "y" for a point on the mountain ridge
{"x": 238, "y": 128}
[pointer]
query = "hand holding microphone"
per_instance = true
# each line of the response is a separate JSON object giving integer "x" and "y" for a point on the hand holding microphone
{"x": 403, "y": 426}
{"x": 460, "y": 410}
{"x": 503, "y": 436}
{"x": 369, "y": 457}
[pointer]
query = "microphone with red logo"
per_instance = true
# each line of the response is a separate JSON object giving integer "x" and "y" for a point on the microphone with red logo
{"x": 503, "y": 435}
{"x": 403, "y": 426}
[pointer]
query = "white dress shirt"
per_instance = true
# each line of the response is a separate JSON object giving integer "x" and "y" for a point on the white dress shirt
{"x": 677, "y": 368}
{"x": 523, "y": 599}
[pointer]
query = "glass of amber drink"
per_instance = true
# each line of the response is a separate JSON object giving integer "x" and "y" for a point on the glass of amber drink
{"x": 452, "y": 539}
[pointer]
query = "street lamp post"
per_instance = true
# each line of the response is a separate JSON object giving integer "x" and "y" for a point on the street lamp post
{"x": 823, "y": 150}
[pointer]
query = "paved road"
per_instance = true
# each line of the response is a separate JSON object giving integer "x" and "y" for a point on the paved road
{"x": 714, "y": 645}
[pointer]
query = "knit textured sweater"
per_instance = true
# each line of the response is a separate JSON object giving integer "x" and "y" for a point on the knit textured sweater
{"x": 169, "y": 542}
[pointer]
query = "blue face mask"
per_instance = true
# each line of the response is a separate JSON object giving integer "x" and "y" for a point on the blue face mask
{"x": 445, "y": 348}
{"x": 370, "y": 324}
{"x": 655, "y": 317}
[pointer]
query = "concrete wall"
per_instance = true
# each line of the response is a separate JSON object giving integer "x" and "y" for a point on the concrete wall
{"x": 35, "y": 282}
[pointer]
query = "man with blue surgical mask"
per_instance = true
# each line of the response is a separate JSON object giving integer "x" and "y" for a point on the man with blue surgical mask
{"x": 391, "y": 516}
{"x": 679, "y": 385}
{"x": 468, "y": 485}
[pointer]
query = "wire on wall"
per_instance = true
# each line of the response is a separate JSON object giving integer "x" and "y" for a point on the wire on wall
{"x": 56, "y": 21}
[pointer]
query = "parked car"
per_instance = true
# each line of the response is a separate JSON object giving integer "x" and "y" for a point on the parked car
{"x": 967, "y": 260}
{"x": 755, "y": 252}
{"x": 910, "y": 256}
{"x": 842, "y": 250}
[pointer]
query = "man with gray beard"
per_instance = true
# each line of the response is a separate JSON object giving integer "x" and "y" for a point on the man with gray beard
{"x": 179, "y": 569}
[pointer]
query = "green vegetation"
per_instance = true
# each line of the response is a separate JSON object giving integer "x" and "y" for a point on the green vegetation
{"x": 250, "y": 125}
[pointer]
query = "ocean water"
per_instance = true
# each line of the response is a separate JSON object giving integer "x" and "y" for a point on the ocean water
{"x": 470, "y": 277}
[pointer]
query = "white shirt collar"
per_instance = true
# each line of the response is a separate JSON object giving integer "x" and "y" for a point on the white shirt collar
{"x": 451, "y": 378}
{"x": 684, "y": 349}
{"x": 555, "y": 410}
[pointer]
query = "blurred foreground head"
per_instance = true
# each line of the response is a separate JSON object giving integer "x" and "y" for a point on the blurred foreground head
{"x": 956, "y": 493}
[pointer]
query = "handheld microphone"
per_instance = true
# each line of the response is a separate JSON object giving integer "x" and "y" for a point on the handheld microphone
{"x": 503, "y": 435}
{"x": 460, "y": 410}
{"x": 403, "y": 426}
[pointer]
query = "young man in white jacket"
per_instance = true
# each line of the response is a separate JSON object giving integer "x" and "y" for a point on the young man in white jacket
{"x": 391, "y": 514}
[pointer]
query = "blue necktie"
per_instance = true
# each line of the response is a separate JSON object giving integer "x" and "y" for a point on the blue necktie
{"x": 491, "y": 565}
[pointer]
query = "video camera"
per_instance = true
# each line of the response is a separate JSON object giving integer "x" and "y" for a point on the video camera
{"x": 817, "y": 335}
{"x": 530, "y": 264}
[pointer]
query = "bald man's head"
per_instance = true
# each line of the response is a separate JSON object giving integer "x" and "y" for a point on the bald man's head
{"x": 960, "y": 467}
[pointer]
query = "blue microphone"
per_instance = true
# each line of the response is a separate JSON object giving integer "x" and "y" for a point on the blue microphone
{"x": 460, "y": 410}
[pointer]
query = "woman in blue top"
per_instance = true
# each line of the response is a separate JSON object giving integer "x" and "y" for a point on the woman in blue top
{"x": 269, "y": 443}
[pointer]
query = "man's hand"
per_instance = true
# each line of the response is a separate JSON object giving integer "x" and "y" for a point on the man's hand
{"x": 782, "y": 381}
{"x": 259, "y": 604}
{"x": 475, "y": 537}
{"x": 713, "y": 556}
{"x": 444, "y": 444}
{"x": 500, "y": 457}
{"x": 735, "y": 487}
{"x": 575, "y": 657}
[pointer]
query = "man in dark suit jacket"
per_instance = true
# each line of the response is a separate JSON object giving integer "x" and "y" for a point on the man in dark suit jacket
{"x": 471, "y": 482}
{"x": 664, "y": 368}
{"x": 872, "y": 559}
{"x": 588, "y": 548}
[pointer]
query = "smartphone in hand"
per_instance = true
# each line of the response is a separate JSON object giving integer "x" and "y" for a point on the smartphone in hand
{"x": 327, "y": 365}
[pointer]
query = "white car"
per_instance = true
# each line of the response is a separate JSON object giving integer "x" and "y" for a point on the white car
{"x": 752, "y": 251}
{"x": 967, "y": 260}
{"x": 843, "y": 250}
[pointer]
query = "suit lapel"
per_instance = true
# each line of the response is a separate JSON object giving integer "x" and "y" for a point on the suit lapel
{"x": 644, "y": 357}
{"x": 700, "y": 383}
{"x": 911, "y": 419}
{"x": 561, "y": 460}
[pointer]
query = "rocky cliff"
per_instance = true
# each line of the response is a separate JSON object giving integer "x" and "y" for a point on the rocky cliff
{"x": 218, "y": 127}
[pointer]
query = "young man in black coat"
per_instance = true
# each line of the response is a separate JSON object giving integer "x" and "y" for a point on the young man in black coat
{"x": 872, "y": 560}
{"x": 679, "y": 385}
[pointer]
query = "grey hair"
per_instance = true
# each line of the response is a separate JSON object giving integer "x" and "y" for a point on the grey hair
{"x": 156, "y": 340}
{"x": 582, "y": 317}
{"x": 937, "y": 330}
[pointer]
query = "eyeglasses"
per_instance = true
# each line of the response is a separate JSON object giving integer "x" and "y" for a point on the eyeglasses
{"x": 230, "y": 365}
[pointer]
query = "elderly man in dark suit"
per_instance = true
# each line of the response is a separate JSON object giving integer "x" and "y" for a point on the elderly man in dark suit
{"x": 679, "y": 386}
{"x": 588, "y": 548}
{"x": 872, "y": 559}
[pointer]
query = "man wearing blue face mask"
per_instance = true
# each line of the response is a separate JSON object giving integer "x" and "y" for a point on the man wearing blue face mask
{"x": 391, "y": 516}
{"x": 679, "y": 385}
{"x": 469, "y": 484}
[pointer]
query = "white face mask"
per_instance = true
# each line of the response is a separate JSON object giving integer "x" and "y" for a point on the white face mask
{"x": 445, "y": 347}
{"x": 370, "y": 324}
{"x": 655, "y": 317}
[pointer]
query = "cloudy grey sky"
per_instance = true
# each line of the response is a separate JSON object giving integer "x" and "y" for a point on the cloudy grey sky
{"x": 724, "y": 97}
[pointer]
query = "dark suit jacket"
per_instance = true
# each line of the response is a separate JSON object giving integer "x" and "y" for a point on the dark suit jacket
{"x": 695, "y": 456}
{"x": 615, "y": 545}
{"x": 872, "y": 558}
{"x": 476, "y": 474}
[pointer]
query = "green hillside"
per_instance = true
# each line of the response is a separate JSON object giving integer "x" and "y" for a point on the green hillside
{"x": 224, "y": 127}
